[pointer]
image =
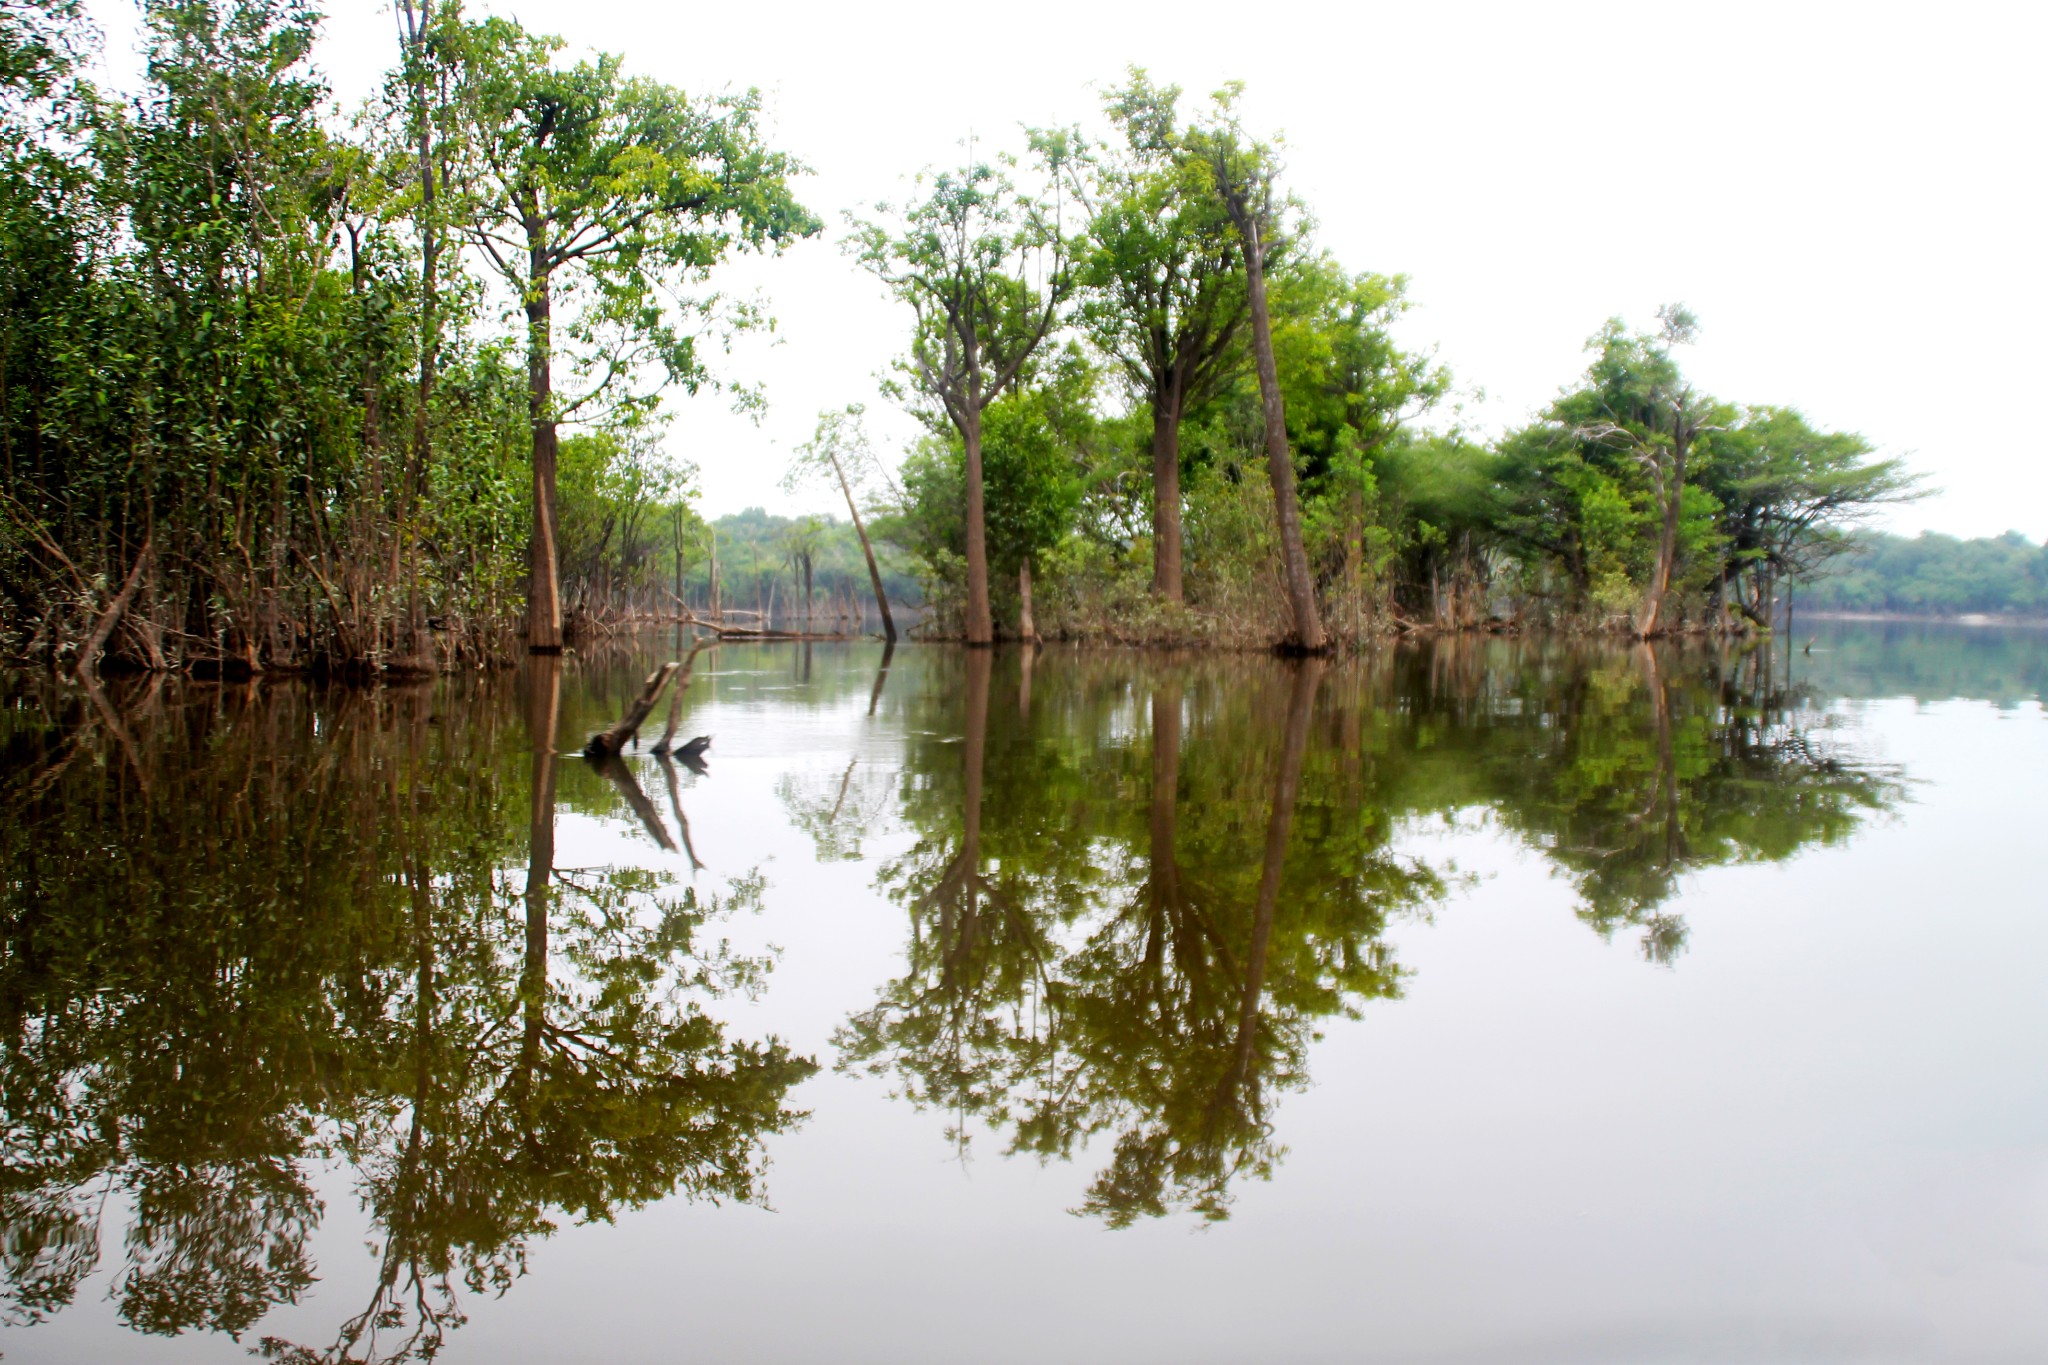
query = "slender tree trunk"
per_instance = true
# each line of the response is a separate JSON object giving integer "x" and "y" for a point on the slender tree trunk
{"x": 980, "y": 623}
{"x": 1671, "y": 496}
{"x": 1166, "y": 525}
{"x": 868, "y": 550}
{"x": 1027, "y": 628}
{"x": 544, "y": 591}
{"x": 414, "y": 490}
{"x": 1301, "y": 589}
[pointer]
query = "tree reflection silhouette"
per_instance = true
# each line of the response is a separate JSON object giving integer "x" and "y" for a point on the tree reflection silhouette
{"x": 1074, "y": 972}
{"x": 299, "y": 933}
{"x": 1137, "y": 942}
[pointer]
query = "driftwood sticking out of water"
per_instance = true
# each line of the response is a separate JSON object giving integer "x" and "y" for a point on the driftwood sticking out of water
{"x": 675, "y": 703}
{"x": 608, "y": 743}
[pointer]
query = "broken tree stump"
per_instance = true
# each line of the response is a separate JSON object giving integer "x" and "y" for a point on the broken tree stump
{"x": 608, "y": 743}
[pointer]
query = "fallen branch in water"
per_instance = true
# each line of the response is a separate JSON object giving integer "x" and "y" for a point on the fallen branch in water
{"x": 675, "y": 703}
{"x": 608, "y": 743}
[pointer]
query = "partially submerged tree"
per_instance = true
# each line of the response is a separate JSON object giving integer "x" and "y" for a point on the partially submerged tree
{"x": 984, "y": 267}
{"x": 617, "y": 192}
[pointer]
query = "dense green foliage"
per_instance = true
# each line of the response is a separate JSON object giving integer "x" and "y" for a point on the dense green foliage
{"x": 1936, "y": 575}
{"x": 279, "y": 389}
{"x": 1149, "y": 491}
{"x": 262, "y": 401}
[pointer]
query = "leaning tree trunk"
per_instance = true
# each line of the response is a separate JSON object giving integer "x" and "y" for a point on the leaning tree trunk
{"x": 1166, "y": 529}
{"x": 1301, "y": 590}
{"x": 868, "y": 550}
{"x": 544, "y": 590}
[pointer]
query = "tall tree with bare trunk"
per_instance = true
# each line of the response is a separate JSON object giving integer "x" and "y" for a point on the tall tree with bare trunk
{"x": 1244, "y": 173}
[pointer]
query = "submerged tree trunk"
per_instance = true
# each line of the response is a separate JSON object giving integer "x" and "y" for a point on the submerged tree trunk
{"x": 609, "y": 742}
{"x": 1308, "y": 634}
{"x": 881, "y": 676}
{"x": 1163, "y": 825}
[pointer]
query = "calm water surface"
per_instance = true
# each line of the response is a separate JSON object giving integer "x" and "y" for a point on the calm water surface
{"x": 1497, "y": 1002}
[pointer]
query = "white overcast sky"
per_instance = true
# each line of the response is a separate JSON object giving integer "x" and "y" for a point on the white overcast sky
{"x": 1849, "y": 196}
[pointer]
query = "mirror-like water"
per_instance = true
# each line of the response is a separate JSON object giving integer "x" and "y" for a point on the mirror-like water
{"x": 1494, "y": 1001}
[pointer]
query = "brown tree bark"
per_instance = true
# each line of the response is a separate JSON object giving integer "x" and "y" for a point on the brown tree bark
{"x": 1308, "y": 637}
{"x": 1669, "y": 478}
{"x": 981, "y": 628}
{"x": 1166, "y": 523}
{"x": 544, "y": 591}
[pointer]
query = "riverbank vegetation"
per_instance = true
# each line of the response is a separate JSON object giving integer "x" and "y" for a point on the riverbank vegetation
{"x": 283, "y": 389}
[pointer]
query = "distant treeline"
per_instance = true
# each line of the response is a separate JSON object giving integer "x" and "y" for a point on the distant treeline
{"x": 760, "y": 567}
{"x": 1936, "y": 575}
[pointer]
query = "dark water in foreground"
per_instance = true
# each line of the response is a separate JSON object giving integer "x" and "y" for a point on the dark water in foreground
{"x": 1499, "y": 1002}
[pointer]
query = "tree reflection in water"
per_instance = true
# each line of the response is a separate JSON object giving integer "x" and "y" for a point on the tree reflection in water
{"x": 295, "y": 930}
{"x": 1136, "y": 894}
{"x": 245, "y": 931}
